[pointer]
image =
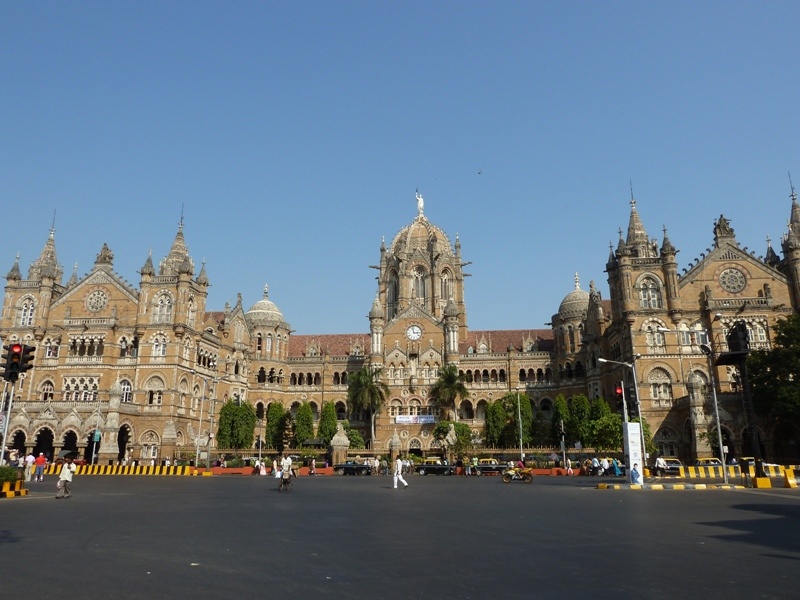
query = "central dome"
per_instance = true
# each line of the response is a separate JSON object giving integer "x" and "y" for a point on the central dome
{"x": 421, "y": 234}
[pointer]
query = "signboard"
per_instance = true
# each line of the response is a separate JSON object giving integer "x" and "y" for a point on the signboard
{"x": 96, "y": 435}
{"x": 414, "y": 419}
{"x": 633, "y": 445}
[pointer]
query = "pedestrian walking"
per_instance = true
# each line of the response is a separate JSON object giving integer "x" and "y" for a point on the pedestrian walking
{"x": 40, "y": 463}
{"x": 313, "y": 468}
{"x": 398, "y": 473}
{"x": 65, "y": 479}
{"x": 29, "y": 466}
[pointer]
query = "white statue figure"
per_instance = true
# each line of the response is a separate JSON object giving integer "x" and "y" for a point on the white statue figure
{"x": 420, "y": 203}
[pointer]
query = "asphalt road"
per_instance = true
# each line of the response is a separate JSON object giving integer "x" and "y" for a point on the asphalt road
{"x": 356, "y": 537}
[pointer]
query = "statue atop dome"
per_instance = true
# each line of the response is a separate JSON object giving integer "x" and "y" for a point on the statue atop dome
{"x": 420, "y": 204}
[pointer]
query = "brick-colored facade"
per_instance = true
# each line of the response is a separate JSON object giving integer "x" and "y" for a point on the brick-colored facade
{"x": 150, "y": 365}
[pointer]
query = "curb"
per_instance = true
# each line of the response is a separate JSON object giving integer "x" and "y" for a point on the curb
{"x": 669, "y": 486}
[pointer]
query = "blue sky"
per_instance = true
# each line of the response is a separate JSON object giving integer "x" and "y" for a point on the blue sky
{"x": 294, "y": 135}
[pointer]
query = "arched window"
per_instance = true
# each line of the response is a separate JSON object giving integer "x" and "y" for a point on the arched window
{"x": 392, "y": 295}
{"x": 649, "y": 293}
{"x": 127, "y": 391}
{"x": 446, "y": 288}
{"x": 191, "y": 312}
{"x": 155, "y": 391}
{"x": 660, "y": 384}
{"x": 159, "y": 346}
{"x": 25, "y": 313}
{"x": 47, "y": 391}
{"x": 420, "y": 284}
{"x": 162, "y": 310}
{"x": 656, "y": 343}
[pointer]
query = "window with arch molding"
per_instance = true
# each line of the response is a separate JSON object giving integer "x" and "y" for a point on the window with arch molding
{"x": 127, "y": 391}
{"x": 420, "y": 284}
{"x": 25, "y": 313}
{"x": 160, "y": 346}
{"x": 191, "y": 312}
{"x": 47, "y": 391}
{"x": 650, "y": 293}
{"x": 392, "y": 295}
{"x": 446, "y": 285}
{"x": 162, "y": 309}
{"x": 660, "y": 384}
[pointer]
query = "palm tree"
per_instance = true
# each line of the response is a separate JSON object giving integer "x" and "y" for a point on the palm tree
{"x": 449, "y": 388}
{"x": 366, "y": 392}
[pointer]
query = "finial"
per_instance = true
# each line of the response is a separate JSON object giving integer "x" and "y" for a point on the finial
{"x": 180, "y": 225}
{"x": 266, "y": 291}
{"x": 791, "y": 186}
{"x": 769, "y": 242}
{"x": 664, "y": 229}
{"x": 633, "y": 200}
{"x": 577, "y": 281}
{"x": 620, "y": 232}
{"x": 53, "y": 226}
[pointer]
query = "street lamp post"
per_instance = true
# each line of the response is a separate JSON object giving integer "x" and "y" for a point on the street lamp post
{"x": 706, "y": 349}
{"x": 519, "y": 420}
{"x": 199, "y": 429}
{"x": 632, "y": 366}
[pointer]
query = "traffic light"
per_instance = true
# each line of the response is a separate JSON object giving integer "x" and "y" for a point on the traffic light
{"x": 27, "y": 358}
{"x": 13, "y": 358}
{"x": 618, "y": 392}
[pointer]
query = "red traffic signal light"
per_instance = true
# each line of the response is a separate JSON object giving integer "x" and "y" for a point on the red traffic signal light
{"x": 17, "y": 357}
{"x": 618, "y": 391}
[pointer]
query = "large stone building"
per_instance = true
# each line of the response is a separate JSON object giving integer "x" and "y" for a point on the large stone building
{"x": 149, "y": 365}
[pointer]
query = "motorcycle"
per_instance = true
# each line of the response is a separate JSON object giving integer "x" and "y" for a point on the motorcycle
{"x": 517, "y": 474}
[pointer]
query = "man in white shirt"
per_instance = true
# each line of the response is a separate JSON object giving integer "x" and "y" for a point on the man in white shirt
{"x": 65, "y": 479}
{"x": 29, "y": 466}
{"x": 398, "y": 473}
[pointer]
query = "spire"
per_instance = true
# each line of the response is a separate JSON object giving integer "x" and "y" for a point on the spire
{"x": 637, "y": 239}
{"x": 173, "y": 262}
{"x": 577, "y": 281}
{"x": 148, "y": 268}
{"x": 47, "y": 263}
{"x": 14, "y": 273}
{"x": 73, "y": 279}
{"x": 666, "y": 246}
{"x": 794, "y": 218}
{"x": 202, "y": 278}
{"x": 377, "y": 310}
{"x": 771, "y": 257}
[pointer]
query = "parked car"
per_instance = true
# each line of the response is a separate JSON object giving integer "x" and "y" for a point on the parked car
{"x": 435, "y": 466}
{"x": 707, "y": 462}
{"x": 673, "y": 466}
{"x": 351, "y": 467}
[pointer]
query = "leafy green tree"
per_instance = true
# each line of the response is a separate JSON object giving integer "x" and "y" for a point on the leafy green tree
{"x": 517, "y": 406}
{"x": 579, "y": 416}
{"x": 560, "y": 413}
{"x": 496, "y": 418}
{"x": 540, "y": 430}
{"x": 303, "y": 424}
{"x": 356, "y": 439}
{"x": 448, "y": 389}
{"x": 774, "y": 374}
{"x": 605, "y": 432}
{"x": 366, "y": 392}
{"x": 276, "y": 424}
{"x": 327, "y": 423}
{"x": 237, "y": 424}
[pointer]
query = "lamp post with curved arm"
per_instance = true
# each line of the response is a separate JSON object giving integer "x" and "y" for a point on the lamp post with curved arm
{"x": 632, "y": 366}
{"x": 706, "y": 349}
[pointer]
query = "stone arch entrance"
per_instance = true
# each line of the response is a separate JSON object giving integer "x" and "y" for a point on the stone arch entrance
{"x": 44, "y": 442}
{"x": 18, "y": 442}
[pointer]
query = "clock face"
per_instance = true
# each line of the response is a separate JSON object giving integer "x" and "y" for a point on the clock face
{"x": 96, "y": 301}
{"x": 414, "y": 332}
{"x": 732, "y": 280}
